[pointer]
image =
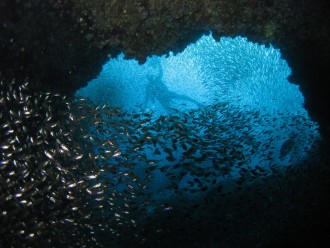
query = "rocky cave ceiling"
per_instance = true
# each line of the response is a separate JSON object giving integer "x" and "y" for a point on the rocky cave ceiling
{"x": 62, "y": 44}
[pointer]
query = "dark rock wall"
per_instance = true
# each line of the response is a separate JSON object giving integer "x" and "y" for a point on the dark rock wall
{"x": 63, "y": 43}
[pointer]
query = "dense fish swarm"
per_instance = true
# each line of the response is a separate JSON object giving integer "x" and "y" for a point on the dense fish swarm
{"x": 51, "y": 192}
{"x": 76, "y": 174}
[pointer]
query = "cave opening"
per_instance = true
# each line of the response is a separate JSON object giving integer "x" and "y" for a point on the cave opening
{"x": 221, "y": 107}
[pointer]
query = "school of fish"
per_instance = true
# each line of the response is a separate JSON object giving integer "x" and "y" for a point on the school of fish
{"x": 76, "y": 174}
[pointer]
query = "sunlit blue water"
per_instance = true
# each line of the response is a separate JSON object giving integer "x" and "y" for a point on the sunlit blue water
{"x": 232, "y": 70}
{"x": 262, "y": 116}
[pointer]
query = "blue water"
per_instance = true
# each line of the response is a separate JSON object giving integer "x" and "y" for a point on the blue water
{"x": 232, "y": 96}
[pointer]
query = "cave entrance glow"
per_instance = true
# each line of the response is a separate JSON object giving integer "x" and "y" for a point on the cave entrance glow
{"x": 218, "y": 108}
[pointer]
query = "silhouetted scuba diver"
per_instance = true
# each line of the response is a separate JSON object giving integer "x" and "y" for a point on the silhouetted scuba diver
{"x": 157, "y": 90}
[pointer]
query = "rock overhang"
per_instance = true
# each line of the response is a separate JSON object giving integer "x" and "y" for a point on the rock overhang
{"x": 63, "y": 44}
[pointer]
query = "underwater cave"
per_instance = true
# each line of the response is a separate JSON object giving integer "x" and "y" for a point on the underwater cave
{"x": 129, "y": 124}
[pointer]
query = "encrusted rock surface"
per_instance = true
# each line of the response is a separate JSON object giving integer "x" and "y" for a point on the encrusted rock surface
{"x": 63, "y": 43}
